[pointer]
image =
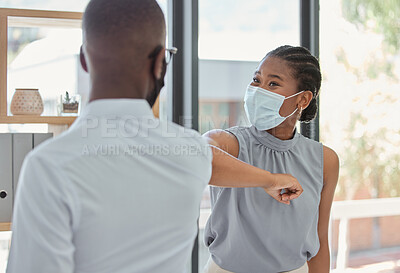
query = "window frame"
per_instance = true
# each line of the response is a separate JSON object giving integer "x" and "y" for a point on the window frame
{"x": 309, "y": 38}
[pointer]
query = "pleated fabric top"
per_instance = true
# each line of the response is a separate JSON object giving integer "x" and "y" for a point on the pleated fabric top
{"x": 249, "y": 231}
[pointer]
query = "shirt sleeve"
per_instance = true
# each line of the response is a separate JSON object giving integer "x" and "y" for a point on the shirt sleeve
{"x": 43, "y": 221}
{"x": 203, "y": 155}
{"x": 208, "y": 155}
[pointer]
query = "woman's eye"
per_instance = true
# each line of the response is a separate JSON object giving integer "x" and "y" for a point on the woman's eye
{"x": 273, "y": 84}
{"x": 256, "y": 80}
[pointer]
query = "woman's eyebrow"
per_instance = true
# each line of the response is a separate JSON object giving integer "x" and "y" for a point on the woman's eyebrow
{"x": 270, "y": 75}
{"x": 275, "y": 76}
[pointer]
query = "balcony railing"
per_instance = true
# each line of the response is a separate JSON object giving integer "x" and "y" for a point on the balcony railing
{"x": 355, "y": 209}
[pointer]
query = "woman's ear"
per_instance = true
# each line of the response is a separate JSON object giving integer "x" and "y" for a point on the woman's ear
{"x": 83, "y": 60}
{"x": 305, "y": 99}
{"x": 158, "y": 65}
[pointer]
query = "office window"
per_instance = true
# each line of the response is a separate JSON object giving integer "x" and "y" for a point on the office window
{"x": 360, "y": 120}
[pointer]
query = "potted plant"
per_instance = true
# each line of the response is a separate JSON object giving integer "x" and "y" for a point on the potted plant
{"x": 70, "y": 105}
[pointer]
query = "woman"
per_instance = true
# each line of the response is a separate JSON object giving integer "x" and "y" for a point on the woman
{"x": 248, "y": 231}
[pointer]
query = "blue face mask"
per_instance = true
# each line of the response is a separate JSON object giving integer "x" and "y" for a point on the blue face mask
{"x": 262, "y": 107}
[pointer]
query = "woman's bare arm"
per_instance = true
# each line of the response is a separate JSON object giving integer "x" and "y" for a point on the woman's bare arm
{"x": 228, "y": 171}
{"x": 321, "y": 262}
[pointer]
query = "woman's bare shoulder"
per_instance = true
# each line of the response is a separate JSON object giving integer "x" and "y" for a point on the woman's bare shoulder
{"x": 223, "y": 140}
{"x": 331, "y": 165}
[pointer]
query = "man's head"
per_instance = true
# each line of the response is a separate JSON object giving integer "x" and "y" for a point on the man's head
{"x": 124, "y": 48}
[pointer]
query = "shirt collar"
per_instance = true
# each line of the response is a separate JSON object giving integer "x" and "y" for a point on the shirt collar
{"x": 118, "y": 107}
{"x": 127, "y": 108}
{"x": 272, "y": 142}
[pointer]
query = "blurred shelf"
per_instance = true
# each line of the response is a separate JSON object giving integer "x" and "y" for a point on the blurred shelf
{"x": 37, "y": 119}
{"x": 30, "y": 18}
{"x": 5, "y": 226}
{"x": 40, "y": 14}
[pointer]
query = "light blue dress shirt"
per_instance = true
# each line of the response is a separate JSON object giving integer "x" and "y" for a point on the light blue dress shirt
{"x": 118, "y": 192}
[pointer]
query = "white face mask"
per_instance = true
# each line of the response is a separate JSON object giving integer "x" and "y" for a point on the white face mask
{"x": 262, "y": 107}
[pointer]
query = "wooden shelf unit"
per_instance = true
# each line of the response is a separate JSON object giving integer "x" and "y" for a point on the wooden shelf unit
{"x": 37, "y": 119}
{"x": 33, "y": 18}
{"x": 5, "y": 226}
{"x": 36, "y": 18}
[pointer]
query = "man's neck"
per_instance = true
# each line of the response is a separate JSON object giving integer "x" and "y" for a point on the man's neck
{"x": 114, "y": 90}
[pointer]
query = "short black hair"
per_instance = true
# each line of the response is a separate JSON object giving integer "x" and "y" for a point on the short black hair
{"x": 306, "y": 70}
{"x": 138, "y": 23}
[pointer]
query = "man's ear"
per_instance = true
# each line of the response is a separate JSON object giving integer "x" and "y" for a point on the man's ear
{"x": 156, "y": 107}
{"x": 305, "y": 99}
{"x": 83, "y": 60}
{"x": 158, "y": 64}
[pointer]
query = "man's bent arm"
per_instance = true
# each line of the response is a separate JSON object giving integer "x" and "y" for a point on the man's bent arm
{"x": 42, "y": 221}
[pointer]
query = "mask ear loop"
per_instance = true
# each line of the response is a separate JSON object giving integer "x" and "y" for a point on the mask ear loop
{"x": 298, "y": 93}
{"x": 301, "y": 109}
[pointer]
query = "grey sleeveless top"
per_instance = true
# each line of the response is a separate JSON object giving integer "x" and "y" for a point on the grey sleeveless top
{"x": 249, "y": 231}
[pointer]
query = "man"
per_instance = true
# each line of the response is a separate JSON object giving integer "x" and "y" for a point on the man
{"x": 119, "y": 191}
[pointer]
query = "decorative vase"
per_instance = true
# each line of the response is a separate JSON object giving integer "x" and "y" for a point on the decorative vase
{"x": 26, "y": 102}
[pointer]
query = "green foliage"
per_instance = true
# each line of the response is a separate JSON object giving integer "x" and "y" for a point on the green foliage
{"x": 67, "y": 98}
{"x": 371, "y": 70}
{"x": 380, "y": 16}
{"x": 371, "y": 159}
{"x": 367, "y": 162}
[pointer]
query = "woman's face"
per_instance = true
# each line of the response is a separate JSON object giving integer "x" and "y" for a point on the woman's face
{"x": 273, "y": 74}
